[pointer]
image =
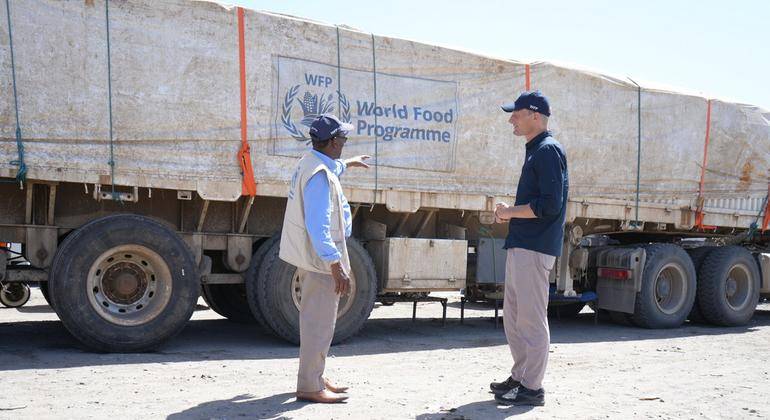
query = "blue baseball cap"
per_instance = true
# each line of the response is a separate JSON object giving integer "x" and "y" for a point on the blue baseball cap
{"x": 533, "y": 101}
{"x": 327, "y": 126}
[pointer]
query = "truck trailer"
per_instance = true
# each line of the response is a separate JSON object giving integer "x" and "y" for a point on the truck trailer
{"x": 146, "y": 152}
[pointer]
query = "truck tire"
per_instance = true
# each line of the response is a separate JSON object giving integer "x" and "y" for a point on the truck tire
{"x": 64, "y": 242}
{"x": 231, "y": 300}
{"x": 228, "y": 300}
{"x": 728, "y": 289}
{"x": 252, "y": 275}
{"x": 621, "y": 318}
{"x": 668, "y": 288}
{"x": 124, "y": 283}
{"x": 698, "y": 255}
{"x": 278, "y": 293}
{"x": 383, "y": 298}
{"x": 205, "y": 298}
{"x": 46, "y": 293}
{"x": 14, "y": 295}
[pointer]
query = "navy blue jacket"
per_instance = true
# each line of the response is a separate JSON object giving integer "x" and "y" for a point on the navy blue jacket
{"x": 544, "y": 185}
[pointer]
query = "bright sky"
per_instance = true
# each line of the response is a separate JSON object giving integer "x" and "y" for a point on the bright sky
{"x": 719, "y": 49}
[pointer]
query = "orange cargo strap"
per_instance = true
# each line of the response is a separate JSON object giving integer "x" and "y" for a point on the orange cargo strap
{"x": 249, "y": 187}
{"x": 699, "y": 213}
{"x": 526, "y": 76}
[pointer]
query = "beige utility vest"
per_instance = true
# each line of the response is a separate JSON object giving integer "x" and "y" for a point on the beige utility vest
{"x": 296, "y": 247}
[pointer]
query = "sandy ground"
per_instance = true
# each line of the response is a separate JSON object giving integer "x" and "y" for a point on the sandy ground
{"x": 396, "y": 369}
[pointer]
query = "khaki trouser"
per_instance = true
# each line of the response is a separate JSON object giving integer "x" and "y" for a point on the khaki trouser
{"x": 525, "y": 314}
{"x": 317, "y": 317}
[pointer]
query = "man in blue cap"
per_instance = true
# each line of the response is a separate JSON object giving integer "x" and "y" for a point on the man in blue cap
{"x": 316, "y": 223}
{"x": 535, "y": 234}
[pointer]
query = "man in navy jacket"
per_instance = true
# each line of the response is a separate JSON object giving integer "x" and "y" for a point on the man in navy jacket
{"x": 535, "y": 235}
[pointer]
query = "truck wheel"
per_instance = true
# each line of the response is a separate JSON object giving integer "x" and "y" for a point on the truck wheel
{"x": 622, "y": 318}
{"x": 228, "y": 300}
{"x": 566, "y": 310}
{"x": 668, "y": 288}
{"x": 279, "y": 292}
{"x": 728, "y": 288}
{"x": 46, "y": 293}
{"x": 384, "y": 299}
{"x": 124, "y": 283}
{"x": 698, "y": 255}
{"x": 251, "y": 285}
{"x": 14, "y": 295}
{"x": 64, "y": 243}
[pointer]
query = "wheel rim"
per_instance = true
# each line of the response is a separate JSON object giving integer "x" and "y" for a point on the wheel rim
{"x": 737, "y": 286}
{"x": 670, "y": 288}
{"x": 345, "y": 301}
{"x": 13, "y": 293}
{"x": 129, "y": 285}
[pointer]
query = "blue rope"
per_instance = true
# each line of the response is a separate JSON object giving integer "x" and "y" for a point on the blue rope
{"x": 754, "y": 227}
{"x": 21, "y": 174}
{"x": 638, "y": 148}
{"x": 109, "y": 96}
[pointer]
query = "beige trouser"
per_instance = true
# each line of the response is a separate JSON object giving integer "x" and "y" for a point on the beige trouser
{"x": 317, "y": 317}
{"x": 525, "y": 314}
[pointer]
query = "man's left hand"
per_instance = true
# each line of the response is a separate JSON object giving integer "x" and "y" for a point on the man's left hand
{"x": 504, "y": 212}
{"x": 357, "y": 161}
{"x": 501, "y": 212}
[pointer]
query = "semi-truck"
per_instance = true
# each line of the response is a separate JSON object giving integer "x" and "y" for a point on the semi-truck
{"x": 146, "y": 152}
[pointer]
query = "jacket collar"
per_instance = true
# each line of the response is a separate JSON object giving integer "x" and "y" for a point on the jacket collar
{"x": 537, "y": 140}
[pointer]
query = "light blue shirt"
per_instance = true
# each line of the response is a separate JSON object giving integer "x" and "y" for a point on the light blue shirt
{"x": 318, "y": 209}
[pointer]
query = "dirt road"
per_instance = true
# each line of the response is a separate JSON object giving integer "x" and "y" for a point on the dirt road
{"x": 396, "y": 370}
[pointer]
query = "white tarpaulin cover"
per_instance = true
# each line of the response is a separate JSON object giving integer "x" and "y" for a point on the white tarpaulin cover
{"x": 429, "y": 115}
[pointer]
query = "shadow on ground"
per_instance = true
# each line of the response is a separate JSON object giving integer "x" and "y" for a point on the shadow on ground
{"x": 27, "y": 344}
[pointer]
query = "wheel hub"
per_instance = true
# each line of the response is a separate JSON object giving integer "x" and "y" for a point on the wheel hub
{"x": 124, "y": 283}
{"x": 731, "y": 287}
{"x": 13, "y": 291}
{"x": 664, "y": 288}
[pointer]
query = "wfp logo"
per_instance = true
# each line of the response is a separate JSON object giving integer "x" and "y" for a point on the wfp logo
{"x": 311, "y": 105}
